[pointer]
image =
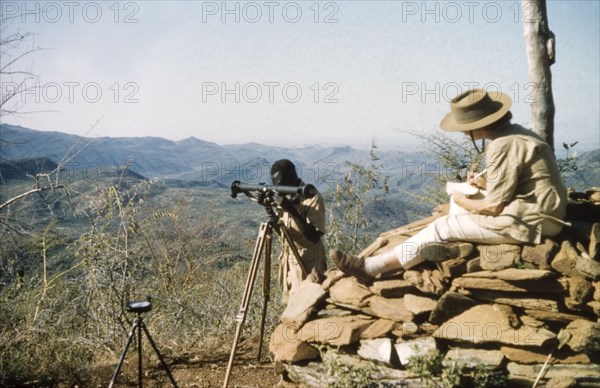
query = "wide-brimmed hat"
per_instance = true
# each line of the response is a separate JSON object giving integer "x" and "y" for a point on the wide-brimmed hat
{"x": 475, "y": 109}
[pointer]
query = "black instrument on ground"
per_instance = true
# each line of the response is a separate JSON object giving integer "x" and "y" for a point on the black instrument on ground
{"x": 139, "y": 307}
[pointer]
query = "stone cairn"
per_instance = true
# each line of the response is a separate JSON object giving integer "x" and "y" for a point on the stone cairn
{"x": 530, "y": 313}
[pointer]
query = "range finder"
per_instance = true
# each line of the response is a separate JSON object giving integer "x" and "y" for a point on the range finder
{"x": 139, "y": 307}
{"x": 307, "y": 191}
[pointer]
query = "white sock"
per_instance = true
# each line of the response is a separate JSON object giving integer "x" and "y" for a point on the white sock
{"x": 375, "y": 265}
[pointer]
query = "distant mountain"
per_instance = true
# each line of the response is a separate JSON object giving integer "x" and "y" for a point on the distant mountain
{"x": 196, "y": 160}
{"x": 22, "y": 168}
{"x": 187, "y": 159}
{"x": 148, "y": 156}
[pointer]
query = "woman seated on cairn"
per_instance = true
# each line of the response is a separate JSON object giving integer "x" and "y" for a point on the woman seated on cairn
{"x": 525, "y": 197}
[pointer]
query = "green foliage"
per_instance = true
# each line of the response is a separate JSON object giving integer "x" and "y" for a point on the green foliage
{"x": 62, "y": 304}
{"x": 348, "y": 228}
{"x": 568, "y": 164}
{"x": 451, "y": 158}
{"x": 431, "y": 368}
{"x": 483, "y": 377}
{"x": 40, "y": 338}
{"x": 346, "y": 375}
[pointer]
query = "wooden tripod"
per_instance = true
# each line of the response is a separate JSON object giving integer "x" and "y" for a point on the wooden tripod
{"x": 263, "y": 246}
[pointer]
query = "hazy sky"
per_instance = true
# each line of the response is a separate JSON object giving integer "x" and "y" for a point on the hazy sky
{"x": 294, "y": 72}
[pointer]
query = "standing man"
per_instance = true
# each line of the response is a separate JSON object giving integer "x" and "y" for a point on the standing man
{"x": 305, "y": 220}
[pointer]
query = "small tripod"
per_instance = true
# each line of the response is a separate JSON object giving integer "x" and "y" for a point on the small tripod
{"x": 263, "y": 245}
{"x": 138, "y": 324}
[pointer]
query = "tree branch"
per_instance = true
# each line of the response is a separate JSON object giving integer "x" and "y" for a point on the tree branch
{"x": 25, "y": 194}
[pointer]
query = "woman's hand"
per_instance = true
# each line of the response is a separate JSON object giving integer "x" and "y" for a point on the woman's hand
{"x": 476, "y": 180}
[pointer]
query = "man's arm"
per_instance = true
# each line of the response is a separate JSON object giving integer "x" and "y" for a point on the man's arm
{"x": 307, "y": 229}
{"x": 481, "y": 206}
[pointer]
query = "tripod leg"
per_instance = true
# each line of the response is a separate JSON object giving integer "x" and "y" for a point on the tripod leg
{"x": 140, "y": 376}
{"x": 265, "y": 229}
{"x": 290, "y": 241}
{"x": 120, "y": 364}
{"x": 266, "y": 291}
{"x": 162, "y": 361}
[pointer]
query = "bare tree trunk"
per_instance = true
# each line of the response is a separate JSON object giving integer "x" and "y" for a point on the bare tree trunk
{"x": 539, "y": 41}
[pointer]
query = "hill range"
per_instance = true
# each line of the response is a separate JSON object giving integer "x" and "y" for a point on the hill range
{"x": 193, "y": 159}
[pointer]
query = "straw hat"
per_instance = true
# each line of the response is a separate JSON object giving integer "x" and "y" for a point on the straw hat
{"x": 475, "y": 109}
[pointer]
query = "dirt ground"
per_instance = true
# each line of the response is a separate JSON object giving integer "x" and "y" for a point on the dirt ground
{"x": 245, "y": 373}
{"x": 196, "y": 370}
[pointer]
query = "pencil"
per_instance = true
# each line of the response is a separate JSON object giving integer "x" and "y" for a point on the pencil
{"x": 482, "y": 173}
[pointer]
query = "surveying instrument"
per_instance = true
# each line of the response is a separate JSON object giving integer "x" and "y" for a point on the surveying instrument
{"x": 266, "y": 197}
{"x": 139, "y": 325}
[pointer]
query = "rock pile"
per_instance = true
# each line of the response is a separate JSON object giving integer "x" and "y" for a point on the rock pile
{"x": 527, "y": 313}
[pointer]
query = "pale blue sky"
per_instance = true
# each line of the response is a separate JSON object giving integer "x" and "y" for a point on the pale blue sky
{"x": 363, "y": 68}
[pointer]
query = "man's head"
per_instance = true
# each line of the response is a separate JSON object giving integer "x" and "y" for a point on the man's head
{"x": 283, "y": 173}
{"x": 475, "y": 110}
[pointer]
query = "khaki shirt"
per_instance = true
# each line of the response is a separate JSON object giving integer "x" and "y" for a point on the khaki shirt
{"x": 312, "y": 254}
{"x": 523, "y": 174}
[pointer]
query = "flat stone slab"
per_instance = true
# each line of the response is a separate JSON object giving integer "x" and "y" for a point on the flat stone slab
{"x": 587, "y": 372}
{"x": 548, "y": 285}
{"x": 388, "y": 308}
{"x": 510, "y": 299}
{"x": 552, "y": 316}
{"x": 391, "y": 288}
{"x": 332, "y": 310}
{"x": 537, "y": 356}
{"x": 378, "y": 349}
{"x": 427, "y": 281}
{"x": 588, "y": 267}
{"x": 303, "y": 302}
{"x": 348, "y": 291}
{"x": 379, "y": 328}
{"x": 541, "y": 254}
{"x": 285, "y": 347}
{"x": 453, "y": 268}
{"x": 585, "y": 336}
{"x": 336, "y": 331}
{"x": 419, "y": 304}
{"x": 472, "y": 358}
{"x": 594, "y": 248}
{"x": 492, "y": 324}
{"x": 331, "y": 277}
{"x": 513, "y": 274}
{"x": 565, "y": 260}
{"x": 416, "y": 347}
{"x": 449, "y": 305}
{"x": 498, "y": 257}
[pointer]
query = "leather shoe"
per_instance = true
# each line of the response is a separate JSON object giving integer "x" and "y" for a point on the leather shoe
{"x": 351, "y": 265}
